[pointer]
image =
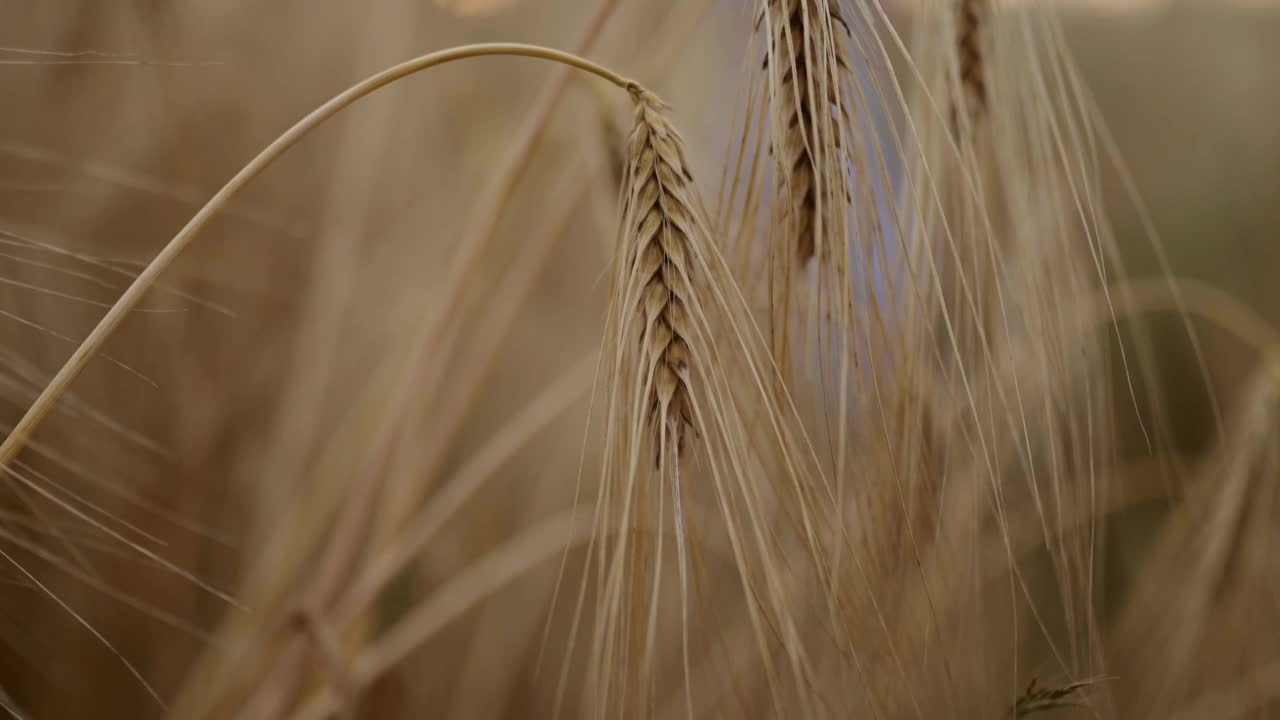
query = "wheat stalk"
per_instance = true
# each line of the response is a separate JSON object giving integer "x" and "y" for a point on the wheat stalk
{"x": 129, "y": 300}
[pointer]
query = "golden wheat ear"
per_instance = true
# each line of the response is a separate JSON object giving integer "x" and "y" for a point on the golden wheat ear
{"x": 661, "y": 212}
{"x": 807, "y": 60}
{"x": 691, "y": 422}
{"x": 827, "y": 167}
{"x": 650, "y": 408}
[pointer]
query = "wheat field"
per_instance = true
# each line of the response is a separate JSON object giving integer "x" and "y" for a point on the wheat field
{"x": 639, "y": 359}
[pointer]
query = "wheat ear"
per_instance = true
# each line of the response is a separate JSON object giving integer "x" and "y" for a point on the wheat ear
{"x": 689, "y": 375}
{"x": 808, "y": 114}
{"x": 659, "y": 214}
{"x": 652, "y": 325}
{"x": 971, "y": 62}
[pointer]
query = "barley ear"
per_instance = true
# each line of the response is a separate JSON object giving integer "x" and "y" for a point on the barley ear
{"x": 651, "y": 329}
{"x": 807, "y": 61}
{"x": 659, "y": 213}
{"x": 812, "y": 138}
{"x": 689, "y": 378}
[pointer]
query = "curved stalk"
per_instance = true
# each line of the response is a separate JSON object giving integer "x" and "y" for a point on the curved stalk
{"x": 22, "y": 432}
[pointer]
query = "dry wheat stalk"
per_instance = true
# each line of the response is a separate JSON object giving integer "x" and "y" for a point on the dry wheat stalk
{"x": 660, "y": 216}
{"x": 808, "y": 113}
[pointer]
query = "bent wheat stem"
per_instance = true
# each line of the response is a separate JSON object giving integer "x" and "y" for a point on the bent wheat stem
{"x": 133, "y": 295}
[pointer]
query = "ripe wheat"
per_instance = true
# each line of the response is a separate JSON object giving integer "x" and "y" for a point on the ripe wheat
{"x": 660, "y": 221}
{"x": 807, "y": 112}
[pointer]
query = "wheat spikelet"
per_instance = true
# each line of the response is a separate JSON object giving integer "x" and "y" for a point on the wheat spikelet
{"x": 971, "y": 62}
{"x": 660, "y": 212}
{"x": 807, "y": 113}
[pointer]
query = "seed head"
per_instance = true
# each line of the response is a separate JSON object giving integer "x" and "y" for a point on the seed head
{"x": 660, "y": 220}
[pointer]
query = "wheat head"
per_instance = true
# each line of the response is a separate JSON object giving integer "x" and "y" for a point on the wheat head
{"x": 807, "y": 113}
{"x": 660, "y": 210}
{"x": 971, "y": 61}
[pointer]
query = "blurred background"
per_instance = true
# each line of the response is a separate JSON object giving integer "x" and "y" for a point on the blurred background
{"x": 217, "y": 407}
